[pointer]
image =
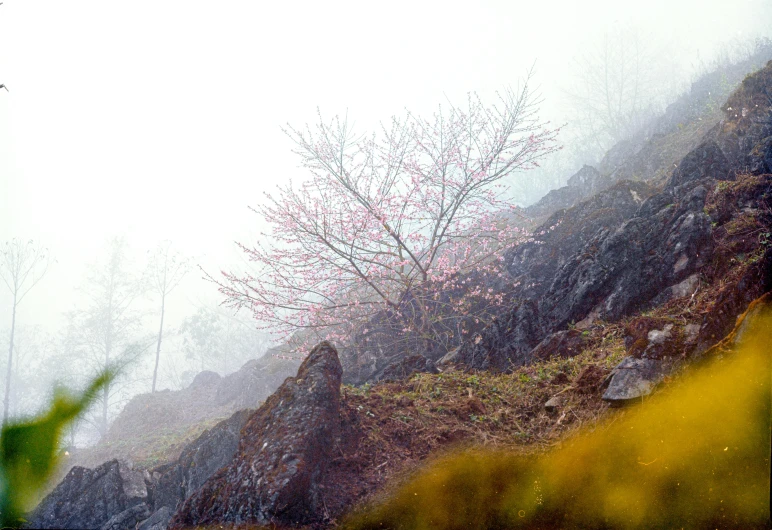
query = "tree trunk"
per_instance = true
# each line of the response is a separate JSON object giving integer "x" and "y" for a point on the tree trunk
{"x": 158, "y": 346}
{"x": 10, "y": 364}
{"x": 105, "y": 398}
{"x": 106, "y": 391}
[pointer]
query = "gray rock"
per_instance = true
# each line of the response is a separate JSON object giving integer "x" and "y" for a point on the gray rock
{"x": 581, "y": 185}
{"x": 553, "y": 404}
{"x": 448, "y": 359}
{"x": 602, "y": 261}
{"x": 89, "y": 498}
{"x": 707, "y": 161}
{"x": 158, "y": 521}
{"x": 197, "y": 462}
{"x": 205, "y": 378}
{"x": 282, "y": 455}
{"x": 127, "y": 519}
{"x": 634, "y": 379}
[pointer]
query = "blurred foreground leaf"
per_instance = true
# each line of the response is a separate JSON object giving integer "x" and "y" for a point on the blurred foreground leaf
{"x": 28, "y": 450}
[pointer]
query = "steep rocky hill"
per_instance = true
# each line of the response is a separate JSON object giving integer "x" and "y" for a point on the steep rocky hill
{"x": 154, "y": 428}
{"x": 616, "y": 297}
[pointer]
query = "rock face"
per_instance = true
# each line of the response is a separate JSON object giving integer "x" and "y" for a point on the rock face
{"x": 158, "y": 521}
{"x": 127, "y": 519}
{"x": 581, "y": 185}
{"x": 89, "y": 498}
{"x": 173, "y": 483}
{"x": 282, "y": 455}
{"x": 115, "y": 497}
{"x": 613, "y": 255}
{"x": 568, "y": 232}
{"x": 618, "y": 260}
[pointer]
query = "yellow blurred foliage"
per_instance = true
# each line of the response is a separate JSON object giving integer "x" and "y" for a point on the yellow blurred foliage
{"x": 694, "y": 456}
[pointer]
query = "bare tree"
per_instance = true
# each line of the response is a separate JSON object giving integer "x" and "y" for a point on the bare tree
{"x": 165, "y": 272}
{"x": 105, "y": 331}
{"x": 22, "y": 266}
{"x": 619, "y": 83}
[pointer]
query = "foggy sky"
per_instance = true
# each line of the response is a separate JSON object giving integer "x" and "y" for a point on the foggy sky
{"x": 161, "y": 119}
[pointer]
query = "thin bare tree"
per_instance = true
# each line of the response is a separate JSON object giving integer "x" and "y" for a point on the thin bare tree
{"x": 165, "y": 271}
{"x": 22, "y": 266}
{"x": 105, "y": 331}
{"x": 619, "y": 83}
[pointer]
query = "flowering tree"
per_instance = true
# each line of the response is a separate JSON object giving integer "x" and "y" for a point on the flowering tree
{"x": 390, "y": 222}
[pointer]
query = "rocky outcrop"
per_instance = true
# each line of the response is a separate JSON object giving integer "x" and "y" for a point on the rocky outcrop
{"x": 154, "y": 428}
{"x": 127, "y": 519}
{"x": 159, "y": 520}
{"x": 583, "y": 184}
{"x": 90, "y": 498}
{"x": 208, "y": 396}
{"x": 533, "y": 265}
{"x": 173, "y": 483}
{"x": 285, "y": 447}
{"x": 406, "y": 367}
{"x": 619, "y": 259}
{"x": 114, "y": 496}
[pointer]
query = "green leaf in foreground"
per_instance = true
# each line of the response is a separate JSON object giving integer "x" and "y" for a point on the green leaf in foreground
{"x": 28, "y": 450}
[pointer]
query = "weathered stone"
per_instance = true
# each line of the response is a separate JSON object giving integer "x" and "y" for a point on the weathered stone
{"x": 553, "y": 404}
{"x": 198, "y": 461}
{"x": 505, "y": 343}
{"x": 282, "y": 455}
{"x": 610, "y": 269}
{"x": 707, "y": 161}
{"x": 205, "y": 378}
{"x": 571, "y": 232}
{"x": 159, "y": 520}
{"x": 89, "y": 498}
{"x": 127, "y": 519}
{"x": 581, "y": 185}
{"x": 449, "y": 358}
{"x": 634, "y": 379}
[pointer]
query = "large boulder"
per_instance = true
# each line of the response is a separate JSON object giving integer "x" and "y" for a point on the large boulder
{"x": 89, "y": 498}
{"x": 283, "y": 453}
{"x": 633, "y": 379}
